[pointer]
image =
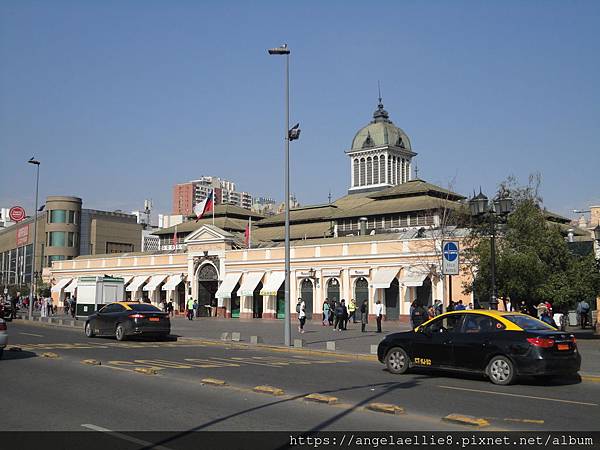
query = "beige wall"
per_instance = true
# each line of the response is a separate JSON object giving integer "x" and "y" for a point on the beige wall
{"x": 104, "y": 230}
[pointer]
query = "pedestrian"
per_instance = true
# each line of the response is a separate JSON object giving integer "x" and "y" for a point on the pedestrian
{"x": 13, "y": 305}
{"x": 170, "y": 308}
{"x": 44, "y": 308}
{"x": 459, "y": 306}
{"x": 301, "y": 311}
{"x": 50, "y": 306}
{"x": 541, "y": 309}
{"x": 196, "y": 309}
{"x": 547, "y": 318}
{"x": 438, "y": 307}
{"x": 508, "y": 305}
{"x": 339, "y": 316}
{"x": 470, "y": 306}
{"x": 345, "y": 315}
{"x": 326, "y": 312}
{"x": 73, "y": 306}
{"x": 431, "y": 312}
{"x": 582, "y": 310}
{"x": 190, "y": 309}
{"x": 450, "y": 306}
{"x": 378, "y": 314}
{"x": 419, "y": 314}
{"x": 352, "y": 310}
{"x": 332, "y": 306}
{"x": 549, "y": 307}
{"x": 364, "y": 316}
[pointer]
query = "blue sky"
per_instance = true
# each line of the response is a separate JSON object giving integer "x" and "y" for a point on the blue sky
{"x": 122, "y": 99}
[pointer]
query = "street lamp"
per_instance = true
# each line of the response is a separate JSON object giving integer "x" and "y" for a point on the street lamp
{"x": 480, "y": 208}
{"x": 290, "y": 135}
{"x": 34, "y": 161}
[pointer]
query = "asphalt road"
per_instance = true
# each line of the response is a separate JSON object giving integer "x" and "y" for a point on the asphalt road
{"x": 64, "y": 394}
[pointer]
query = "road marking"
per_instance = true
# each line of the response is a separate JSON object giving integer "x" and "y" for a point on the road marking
{"x": 32, "y": 334}
{"x": 124, "y": 437}
{"x": 519, "y": 395}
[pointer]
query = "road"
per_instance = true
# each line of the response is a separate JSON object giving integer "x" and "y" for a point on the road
{"x": 64, "y": 394}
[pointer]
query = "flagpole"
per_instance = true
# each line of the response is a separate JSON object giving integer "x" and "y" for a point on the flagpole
{"x": 250, "y": 232}
{"x": 214, "y": 205}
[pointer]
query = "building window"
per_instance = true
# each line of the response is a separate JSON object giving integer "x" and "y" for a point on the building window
{"x": 362, "y": 171}
{"x": 389, "y": 170}
{"x": 375, "y": 170}
{"x": 72, "y": 239}
{"x": 52, "y": 258}
{"x": 58, "y": 216}
{"x": 356, "y": 173}
{"x": 381, "y": 169}
{"x": 117, "y": 247}
{"x": 369, "y": 171}
{"x": 404, "y": 220}
{"x": 56, "y": 239}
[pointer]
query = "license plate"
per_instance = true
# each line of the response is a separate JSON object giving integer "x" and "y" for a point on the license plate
{"x": 563, "y": 346}
{"x": 154, "y": 319}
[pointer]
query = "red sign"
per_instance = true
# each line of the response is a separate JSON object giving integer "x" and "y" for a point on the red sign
{"x": 16, "y": 213}
{"x": 22, "y": 235}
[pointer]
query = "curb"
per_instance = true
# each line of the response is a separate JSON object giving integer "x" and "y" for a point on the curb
{"x": 51, "y": 322}
{"x": 591, "y": 378}
{"x": 320, "y": 398}
{"x": 268, "y": 390}
{"x": 385, "y": 408}
{"x": 466, "y": 420}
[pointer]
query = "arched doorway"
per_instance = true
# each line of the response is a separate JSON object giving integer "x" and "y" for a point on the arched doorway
{"x": 306, "y": 292}
{"x": 424, "y": 293}
{"x": 235, "y": 303}
{"x": 333, "y": 291}
{"x": 280, "y": 306}
{"x": 392, "y": 294}
{"x": 361, "y": 293}
{"x": 208, "y": 283}
{"x": 257, "y": 302}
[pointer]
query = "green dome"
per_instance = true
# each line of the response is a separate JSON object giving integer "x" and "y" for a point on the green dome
{"x": 380, "y": 132}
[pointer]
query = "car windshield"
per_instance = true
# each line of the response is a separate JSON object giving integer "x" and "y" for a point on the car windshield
{"x": 528, "y": 323}
{"x": 144, "y": 307}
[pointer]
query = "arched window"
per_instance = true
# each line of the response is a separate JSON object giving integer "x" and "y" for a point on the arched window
{"x": 362, "y": 172}
{"x": 355, "y": 173}
{"x": 389, "y": 170}
{"x": 398, "y": 171}
{"x": 375, "y": 169}
{"x": 394, "y": 179}
{"x": 369, "y": 171}
{"x": 381, "y": 169}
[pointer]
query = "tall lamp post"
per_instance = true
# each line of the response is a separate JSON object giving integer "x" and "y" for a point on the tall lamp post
{"x": 482, "y": 208}
{"x": 290, "y": 135}
{"x": 34, "y": 161}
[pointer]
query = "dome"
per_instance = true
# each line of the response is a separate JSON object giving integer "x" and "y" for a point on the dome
{"x": 380, "y": 132}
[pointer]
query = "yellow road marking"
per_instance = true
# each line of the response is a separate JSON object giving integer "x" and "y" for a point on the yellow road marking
{"x": 519, "y": 395}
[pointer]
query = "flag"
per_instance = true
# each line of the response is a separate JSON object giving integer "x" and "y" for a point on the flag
{"x": 204, "y": 206}
{"x": 175, "y": 236}
{"x": 247, "y": 233}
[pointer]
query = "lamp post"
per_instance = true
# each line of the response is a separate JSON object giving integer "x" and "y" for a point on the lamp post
{"x": 290, "y": 135}
{"x": 34, "y": 161}
{"x": 480, "y": 208}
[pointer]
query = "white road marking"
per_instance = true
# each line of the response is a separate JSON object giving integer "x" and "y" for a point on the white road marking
{"x": 124, "y": 437}
{"x": 519, "y": 395}
{"x": 32, "y": 334}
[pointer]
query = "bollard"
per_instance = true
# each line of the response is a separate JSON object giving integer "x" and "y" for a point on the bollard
{"x": 298, "y": 343}
{"x": 373, "y": 349}
{"x": 225, "y": 336}
{"x": 236, "y": 337}
{"x": 331, "y": 345}
{"x": 255, "y": 340}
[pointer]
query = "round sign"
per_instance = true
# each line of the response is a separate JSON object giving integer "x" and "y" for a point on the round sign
{"x": 450, "y": 251}
{"x": 16, "y": 213}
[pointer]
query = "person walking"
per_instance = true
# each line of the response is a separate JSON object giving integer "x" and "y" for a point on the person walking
{"x": 170, "y": 308}
{"x": 190, "y": 309}
{"x": 196, "y": 309}
{"x": 364, "y": 316}
{"x": 352, "y": 311}
{"x": 438, "y": 307}
{"x": 339, "y": 317}
{"x": 583, "y": 309}
{"x": 378, "y": 314}
{"x": 419, "y": 315}
{"x": 301, "y": 311}
{"x": 345, "y": 315}
{"x": 73, "y": 306}
{"x": 459, "y": 306}
{"x": 13, "y": 306}
{"x": 332, "y": 306}
{"x": 326, "y": 312}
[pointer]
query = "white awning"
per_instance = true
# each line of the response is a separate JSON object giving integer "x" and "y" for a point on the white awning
{"x": 382, "y": 279}
{"x": 136, "y": 283}
{"x": 228, "y": 285}
{"x": 274, "y": 283}
{"x": 413, "y": 279}
{"x": 126, "y": 279}
{"x": 251, "y": 280}
{"x": 71, "y": 287}
{"x": 154, "y": 282}
{"x": 58, "y": 287}
{"x": 172, "y": 282}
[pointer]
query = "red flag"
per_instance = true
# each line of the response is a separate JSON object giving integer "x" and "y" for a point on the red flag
{"x": 247, "y": 235}
{"x": 175, "y": 236}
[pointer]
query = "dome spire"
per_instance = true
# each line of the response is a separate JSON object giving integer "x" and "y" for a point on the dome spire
{"x": 380, "y": 114}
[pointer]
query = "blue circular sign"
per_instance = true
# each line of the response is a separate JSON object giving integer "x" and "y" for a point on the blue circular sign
{"x": 450, "y": 251}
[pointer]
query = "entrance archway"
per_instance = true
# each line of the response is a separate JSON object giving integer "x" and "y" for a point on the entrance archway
{"x": 361, "y": 293}
{"x": 306, "y": 292}
{"x": 208, "y": 283}
{"x": 424, "y": 293}
{"x": 257, "y": 302}
{"x": 392, "y": 294}
{"x": 333, "y": 291}
{"x": 280, "y": 305}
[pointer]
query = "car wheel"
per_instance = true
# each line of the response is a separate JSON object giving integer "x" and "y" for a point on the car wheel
{"x": 1, "y": 351}
{"x": 89, "y": 331}
{"x": 120, "y": 333}
{"x": 397, "y": 360}
{"x": 501, "y": 370}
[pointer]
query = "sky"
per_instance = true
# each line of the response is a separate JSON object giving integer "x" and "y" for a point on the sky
{"x": 120, "y": 100}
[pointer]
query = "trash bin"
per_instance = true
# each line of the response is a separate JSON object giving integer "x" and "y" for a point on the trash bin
{"x": 573, "y": 319}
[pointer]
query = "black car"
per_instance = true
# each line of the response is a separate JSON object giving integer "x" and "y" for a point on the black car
{"x": 122, "y": 319}
{"x": 6, "y": 310}
{"x": 501, "y": 345}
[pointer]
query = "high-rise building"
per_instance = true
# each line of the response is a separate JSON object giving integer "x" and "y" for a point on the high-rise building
{"x": 186, "y": 195}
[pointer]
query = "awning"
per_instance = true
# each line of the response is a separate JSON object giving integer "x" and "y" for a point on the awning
{"x": 154, "y": 282}
{"x": 251, "y": 280}
{"x": 126, "y": 279}
{"x": 274, "y": 283}
{"x": 382, "y": 279}
{"x": 58, "y": 287}
{"x": 413, "y": 279}
{"x": 172, "y": 282}
{"x": 71, "y": 287}
{"x": 136, "y": 283}
{"x": 228, "y": 285}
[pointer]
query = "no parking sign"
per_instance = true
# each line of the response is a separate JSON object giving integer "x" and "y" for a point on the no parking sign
{"x": 450, "y": 258}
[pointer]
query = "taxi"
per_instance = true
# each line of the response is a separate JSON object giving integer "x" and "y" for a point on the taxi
{"x": 123, "y": 319}
{"x": 500, "y": 345}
